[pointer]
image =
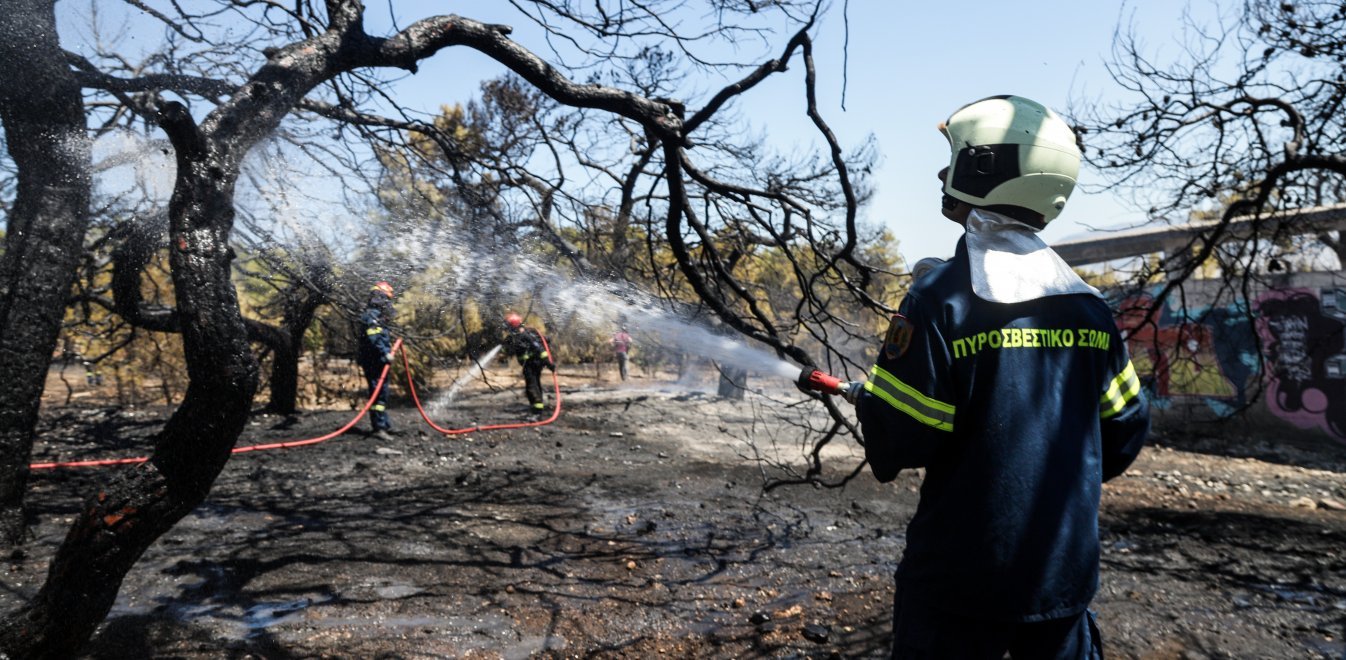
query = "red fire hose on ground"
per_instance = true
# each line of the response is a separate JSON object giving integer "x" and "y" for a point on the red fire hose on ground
{"x": 323, "y": 438}
{"x": 237, "y": 450}
{"x": 556, "y": 412}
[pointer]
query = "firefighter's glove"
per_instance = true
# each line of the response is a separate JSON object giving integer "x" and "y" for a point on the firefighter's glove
{"x": 551, "y": 365}
{"x": 388, "y": 357}
{"x": 851, "y": 391}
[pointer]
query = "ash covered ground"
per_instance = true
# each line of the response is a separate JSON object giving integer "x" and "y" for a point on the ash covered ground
{"x": 636, "y": 526}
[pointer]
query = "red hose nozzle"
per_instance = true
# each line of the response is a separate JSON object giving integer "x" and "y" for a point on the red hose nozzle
{"x": 812, "y": 379}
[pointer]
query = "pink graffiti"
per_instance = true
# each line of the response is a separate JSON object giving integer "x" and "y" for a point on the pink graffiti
{"x": 1287, "y": 342}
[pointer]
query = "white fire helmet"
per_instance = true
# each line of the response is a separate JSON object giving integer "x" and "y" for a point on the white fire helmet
{"x": 1010, "y": 153}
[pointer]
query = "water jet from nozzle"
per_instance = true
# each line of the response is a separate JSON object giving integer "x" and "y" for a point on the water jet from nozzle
{"x": 478, "y": 369}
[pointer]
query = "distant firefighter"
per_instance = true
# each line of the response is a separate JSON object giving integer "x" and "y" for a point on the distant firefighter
{"x": 621, "y": 348}
{"x": 528, "y": 347}
{"x": 376, "y": 350}
{"x": 92, "y": 377}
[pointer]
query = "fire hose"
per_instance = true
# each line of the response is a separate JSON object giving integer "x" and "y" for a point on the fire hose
{"x": 809, "y": 379}
{"x": 323, "y": 438}
{"x": 556, "y": 412}
{"x": 239, "y": 450}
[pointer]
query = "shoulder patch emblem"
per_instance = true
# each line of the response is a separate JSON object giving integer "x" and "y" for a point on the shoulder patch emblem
{"x": 898, "y": 337}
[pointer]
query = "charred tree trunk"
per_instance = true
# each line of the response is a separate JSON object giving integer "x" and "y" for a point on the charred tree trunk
{"x": 733, "y": 383}
{"x": 284, "y": 381}
{"x": 619, "y": 262}
{"x": 43, "y": 114}
{"x": 141, "y": 503}
{"x": 301, "y": 305}
{"x": 142, "y": 240}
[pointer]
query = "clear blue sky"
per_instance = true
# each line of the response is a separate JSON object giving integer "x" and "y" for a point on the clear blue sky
{"x": 911, "y": 64}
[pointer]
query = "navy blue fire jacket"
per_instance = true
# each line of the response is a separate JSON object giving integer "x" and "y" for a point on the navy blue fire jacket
{"x": 377, "y": 342}
{"x": 526, "y": 344}
{"x": 1018, "y": 412}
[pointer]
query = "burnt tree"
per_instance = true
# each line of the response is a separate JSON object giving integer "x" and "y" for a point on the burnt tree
{"x": 139, "y": 504}
{"x": 299, "y": 301}
{"x": 1244, "y": 125}
{"x": 43, "y": 114}
{"x": 135, "y": 245}
{"x": 701, "y": 201}
{"x": 1257, "y": 138}
{"x": 705, "y": 219}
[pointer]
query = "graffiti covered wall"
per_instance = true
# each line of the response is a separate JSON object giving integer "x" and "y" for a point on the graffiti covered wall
{"x": 1198, "y": 353}
{"x": 1301, "y": 330}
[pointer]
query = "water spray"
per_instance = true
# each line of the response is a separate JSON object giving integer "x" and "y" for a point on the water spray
{"x": 478, "y": 368}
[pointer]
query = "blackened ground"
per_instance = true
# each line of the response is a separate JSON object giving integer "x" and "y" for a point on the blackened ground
{"x": 636, "y": 526}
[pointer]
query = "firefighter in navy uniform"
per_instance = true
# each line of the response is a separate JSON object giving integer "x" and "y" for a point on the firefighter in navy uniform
{"x": 1005, "y": 377}
{"x": 527, "y": 346}
{"x": 375, "y": 352}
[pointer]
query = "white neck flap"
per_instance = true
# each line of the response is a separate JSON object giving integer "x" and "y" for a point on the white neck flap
{"x": 1010, "y": 264}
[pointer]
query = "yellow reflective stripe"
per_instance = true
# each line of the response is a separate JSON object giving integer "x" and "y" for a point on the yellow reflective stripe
{"x": 1120, "y": 392}
{"x": 378, "y": 407}
{"x": 546, "y": 354}
{"x": 369, "y": 332}
{"x": 539, "y": 406}
{"x": 928, "y": 411}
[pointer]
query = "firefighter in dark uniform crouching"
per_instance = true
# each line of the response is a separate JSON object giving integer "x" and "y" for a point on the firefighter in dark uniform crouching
{"x": 1005, "y": 377}
{"x": 376, "y": 351}
{"x": 527, "y": 346}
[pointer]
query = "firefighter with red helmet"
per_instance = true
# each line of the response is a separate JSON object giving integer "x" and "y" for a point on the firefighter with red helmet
{"x": 376, "y": 351}
{"x": 528, "y": 347}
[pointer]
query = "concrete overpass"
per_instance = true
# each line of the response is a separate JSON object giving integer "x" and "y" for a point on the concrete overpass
{"x": 1108, "y": 246}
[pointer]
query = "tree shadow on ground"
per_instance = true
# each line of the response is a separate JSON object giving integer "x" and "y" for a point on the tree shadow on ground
{"x": 1227, "y": 547}
{"x": 512, "y": 561}
{"x": 1283, "y": 576}
{"x": 1238, "y": 437}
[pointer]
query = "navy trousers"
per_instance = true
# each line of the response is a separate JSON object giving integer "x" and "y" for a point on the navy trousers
{"x": 378, "y": 413}
{"x": 532, "y": 383}
{"x": 920, "y": 632}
